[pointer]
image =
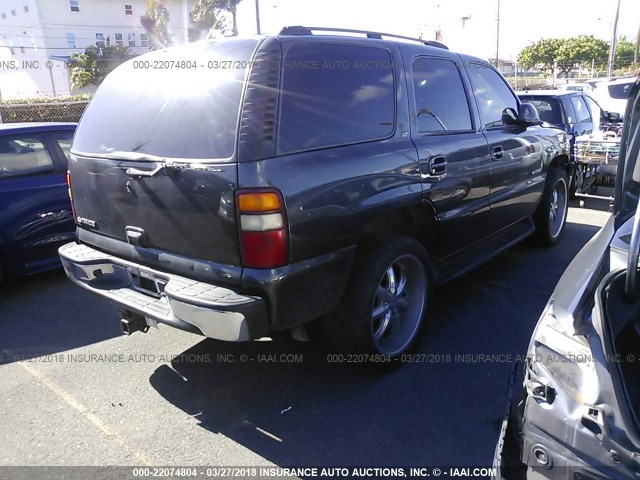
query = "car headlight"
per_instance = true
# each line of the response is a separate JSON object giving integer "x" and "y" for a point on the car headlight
{"x": 561, "y": 362}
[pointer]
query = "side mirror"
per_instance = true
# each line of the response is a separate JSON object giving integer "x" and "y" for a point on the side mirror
{"x": 528, "y": 115}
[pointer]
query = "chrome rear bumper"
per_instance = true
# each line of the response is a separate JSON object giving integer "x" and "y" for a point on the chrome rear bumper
{"x": 214, "y": 311}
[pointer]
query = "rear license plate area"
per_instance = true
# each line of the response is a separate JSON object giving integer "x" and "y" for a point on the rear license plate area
{"x": 148, "y": 285}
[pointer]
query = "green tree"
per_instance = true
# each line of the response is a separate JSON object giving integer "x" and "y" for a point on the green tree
{"x": 624, "y": 53}
{"x": 92, "y": 66}
{"x": 581, "y": 50}
{"x": 229, "y": 6}
{"x": 207, "y": 15}
{"x": 156, "y": 24}
{"x": 543, "y": 54}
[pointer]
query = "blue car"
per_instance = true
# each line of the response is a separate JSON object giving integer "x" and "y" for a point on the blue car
{"x": 574, "y": 112}
{"x": 35, "y": 211}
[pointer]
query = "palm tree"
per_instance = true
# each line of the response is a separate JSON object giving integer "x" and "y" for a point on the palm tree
{"x": 156, "y": 23}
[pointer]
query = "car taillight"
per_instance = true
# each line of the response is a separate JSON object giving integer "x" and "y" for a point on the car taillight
{"x": 264, "y": 238}
{"x": 73, "y": 209}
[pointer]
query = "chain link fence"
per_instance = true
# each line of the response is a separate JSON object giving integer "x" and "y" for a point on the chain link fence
{"x": 42, "y": 112}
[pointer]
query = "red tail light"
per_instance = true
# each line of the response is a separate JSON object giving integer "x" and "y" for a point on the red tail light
{"x": 264, "y": 237}
{"x": 73, "y": 209}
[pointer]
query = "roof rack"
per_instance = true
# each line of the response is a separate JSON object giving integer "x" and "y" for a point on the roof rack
{"x": 300, "y": 30}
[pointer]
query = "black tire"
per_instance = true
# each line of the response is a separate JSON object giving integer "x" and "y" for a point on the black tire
{"x": 549, "y": 226}
{"x": 577, "y": 181}
{"x": 385, "y": 302}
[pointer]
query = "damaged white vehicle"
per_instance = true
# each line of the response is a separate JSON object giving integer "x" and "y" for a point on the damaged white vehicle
{"x": 574, "y": 409}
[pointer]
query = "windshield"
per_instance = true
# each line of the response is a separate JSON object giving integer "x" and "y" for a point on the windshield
{"x": 177, "y": 103}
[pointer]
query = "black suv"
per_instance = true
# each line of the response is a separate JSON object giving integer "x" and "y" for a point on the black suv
{"x": 242, "y": 187}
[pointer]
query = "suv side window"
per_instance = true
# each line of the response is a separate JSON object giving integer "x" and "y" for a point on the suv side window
{"x": 441, "y": 101}
{"x": 492, "y": 94}
{"x": 334, "y": 95}
{"x": 23, "y": 155}
{"x": 582, "y": 112}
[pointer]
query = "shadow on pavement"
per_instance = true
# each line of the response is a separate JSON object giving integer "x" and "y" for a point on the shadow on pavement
{"x": 442, "y": 409}
{"x": 41, "y": 315}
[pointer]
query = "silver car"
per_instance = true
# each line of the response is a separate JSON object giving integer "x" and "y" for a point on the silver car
{"x": 574, "y": 409}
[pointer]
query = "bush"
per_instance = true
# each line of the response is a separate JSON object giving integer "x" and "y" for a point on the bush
{"x": 85, "y": 97}
{"x": 43, "y": 110}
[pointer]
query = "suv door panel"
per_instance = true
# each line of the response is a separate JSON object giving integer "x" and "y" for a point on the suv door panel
{"x": 518, "y": 175}
{"x": 454, "y": 158}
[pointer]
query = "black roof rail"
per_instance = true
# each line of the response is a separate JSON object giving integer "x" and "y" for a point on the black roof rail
{"x": 300, "y": 30}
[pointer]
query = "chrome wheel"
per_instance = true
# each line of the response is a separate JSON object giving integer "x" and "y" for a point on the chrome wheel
{"x": 399, "y": 304}
{"x": 558, "y": 208}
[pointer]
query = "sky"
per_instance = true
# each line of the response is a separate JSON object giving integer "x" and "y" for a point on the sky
{"x": 521, "y": 23}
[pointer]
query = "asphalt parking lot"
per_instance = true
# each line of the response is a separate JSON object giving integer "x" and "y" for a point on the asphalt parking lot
{"x": 90, "y": 396}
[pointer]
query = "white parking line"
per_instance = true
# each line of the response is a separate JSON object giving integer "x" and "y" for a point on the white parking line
{"x": 80, "y": 408}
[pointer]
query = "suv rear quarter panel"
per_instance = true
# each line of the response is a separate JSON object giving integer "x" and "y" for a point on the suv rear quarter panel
{"x": 332, "y": 194}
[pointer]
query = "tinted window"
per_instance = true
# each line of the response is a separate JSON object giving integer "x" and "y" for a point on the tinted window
{"x": 582, "y": 112}
{"x": 441, "y": 102}
{"x": 620, "y": 91}
{"x": 23, "y": 155}
{"x": 173, "y": 111}
{"x": 492, "y": 94}
{"x": 64, "y": 140}
{"x": 549, "y": 109}
{"x": 334, "y": 95}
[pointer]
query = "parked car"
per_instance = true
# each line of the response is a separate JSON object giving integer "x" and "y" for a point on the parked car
{"x": 307, "y": 183}
{"x": 35, "y": 212}
{"x": 613, "y": 95}
{"x": 575, "y": 411}
{"x": 577, "y": 114}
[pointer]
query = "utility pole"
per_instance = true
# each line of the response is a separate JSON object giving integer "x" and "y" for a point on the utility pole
{"x": 258, "y": 17}
{"x": 498, "y": 34}
{"x": 636, "y": 51}
{"x": 614, "y": 43}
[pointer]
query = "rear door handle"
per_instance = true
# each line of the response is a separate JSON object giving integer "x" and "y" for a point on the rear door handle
{"x": 497, "y": 152}
{"x": 437, "y": 165}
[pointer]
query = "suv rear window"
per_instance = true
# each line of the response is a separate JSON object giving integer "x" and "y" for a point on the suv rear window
{"x": 335, "y": 94}
{"x": 177, "y": 103}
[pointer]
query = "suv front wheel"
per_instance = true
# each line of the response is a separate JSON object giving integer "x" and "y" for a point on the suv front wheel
{"x": 385, "y": 302}
{"x": 551, "y": 215}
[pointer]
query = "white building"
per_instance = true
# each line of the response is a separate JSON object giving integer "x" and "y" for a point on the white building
{"x": 37, "y": 38}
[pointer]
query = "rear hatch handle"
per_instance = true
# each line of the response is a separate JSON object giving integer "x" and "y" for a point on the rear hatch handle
{"x": 169, "y": 165}
{"x": 137, "y": 173}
